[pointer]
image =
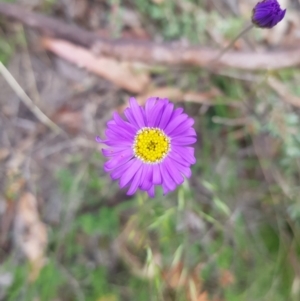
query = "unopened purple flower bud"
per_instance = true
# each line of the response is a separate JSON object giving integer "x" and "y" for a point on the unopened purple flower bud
{"x": 267, "y": 13}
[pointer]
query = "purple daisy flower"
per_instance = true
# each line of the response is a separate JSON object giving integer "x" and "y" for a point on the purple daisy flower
{"x": 151, "y": 148}
{"x": 267, "y": 13}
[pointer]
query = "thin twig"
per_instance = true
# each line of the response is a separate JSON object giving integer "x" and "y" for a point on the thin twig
{"x": 26, "y": 99}
{"x": 231, "y": 122}
{"x": 283, "y": 91}
{"x": 31, "y": 78}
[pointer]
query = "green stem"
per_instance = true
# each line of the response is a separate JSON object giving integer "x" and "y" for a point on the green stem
{"x": 248, "y": 28}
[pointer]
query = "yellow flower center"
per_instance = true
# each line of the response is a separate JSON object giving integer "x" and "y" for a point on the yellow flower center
{"x": 151, "y": 145}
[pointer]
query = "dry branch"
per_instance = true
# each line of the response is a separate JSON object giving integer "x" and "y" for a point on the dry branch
{"x": 283, "y": 92}
{"x": 26, "y": 99}
{"x": 150, "y": 52}
{"x": 122, "y": 75}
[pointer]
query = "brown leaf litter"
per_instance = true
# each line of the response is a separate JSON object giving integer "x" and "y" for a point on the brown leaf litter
{"x": 123, "y": 75}
{"x": 30, "y": 233}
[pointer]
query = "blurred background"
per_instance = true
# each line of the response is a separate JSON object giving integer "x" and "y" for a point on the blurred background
{"x": 68, "y": 233}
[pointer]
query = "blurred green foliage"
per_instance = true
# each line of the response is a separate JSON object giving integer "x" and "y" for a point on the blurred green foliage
{"x": 6, "y": 50}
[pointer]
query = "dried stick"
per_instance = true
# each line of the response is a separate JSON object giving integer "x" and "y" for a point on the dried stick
{"x": 26, "y": 99}
{"x": 150, "y": 52}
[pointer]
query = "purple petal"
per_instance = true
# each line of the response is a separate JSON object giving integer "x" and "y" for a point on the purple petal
{"x": 131, "y": 119}
{"x": 148, "y": 107}
{"x": 111, "y": 152}
{"x": 183, "y": 127}
{"x": 130, "y": 172}
{"x": 183, "y": 140}
{"x": 186, "y": 133}
{"x": 136, "y": 112}
{"x": 112, "y": 135}
{"x": 176, "y": 113}
{"x": 166, "y": 115}
{"x": 151, "y": 191}
{"x": 144, "y": 116}
{"x": 124, "y": 125}
{"x": 166, "y": 190}
{"x": 146, "y": 177}
{"x": 178, "y": 158}
{"x": 174, "y": 123}
{"x": 156, "y": 113}
{"x": 186, "y": 171}
{"x": 135, "y": 182}
{"x": 157, "y": 179}
{"x": 111, "y": 122}
{"x": 170, "y": 184}
{"x": 120, "y": 159}
{"x": 173, "y": 172}
{"x": 121, "y": 132}
{"x": 186, "y": 153}
{"x": 99, "y": 140}
{"x": 119, "y": 170}
{"x": 119, "y": 143}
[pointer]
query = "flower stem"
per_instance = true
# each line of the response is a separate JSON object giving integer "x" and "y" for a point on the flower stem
{"x": 244, "y": 31}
